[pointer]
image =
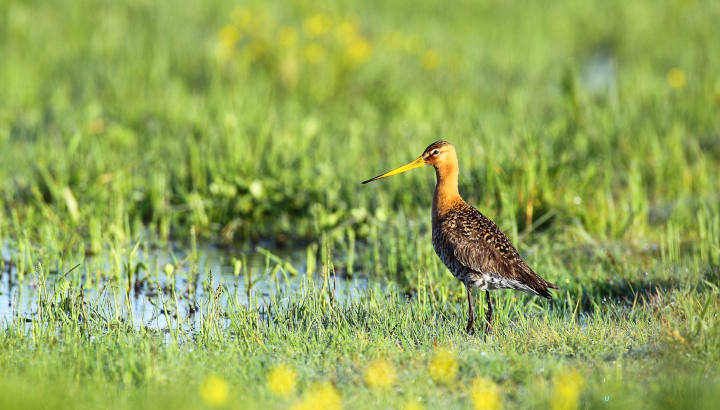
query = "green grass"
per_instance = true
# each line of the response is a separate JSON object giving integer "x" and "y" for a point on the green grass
{"x": 589, "y": 131}
{"x": 649, "y": 356}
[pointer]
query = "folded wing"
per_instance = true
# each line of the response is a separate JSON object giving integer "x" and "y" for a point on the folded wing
{"x": 479, "y": 244}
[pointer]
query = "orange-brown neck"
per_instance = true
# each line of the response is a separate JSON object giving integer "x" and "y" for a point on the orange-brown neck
{"x": 446, "y": 191}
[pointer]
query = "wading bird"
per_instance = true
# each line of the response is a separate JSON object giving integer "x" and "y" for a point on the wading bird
{"x": 472, "y": 247}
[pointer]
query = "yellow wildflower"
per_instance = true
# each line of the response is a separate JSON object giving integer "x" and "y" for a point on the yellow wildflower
{"x": 320, "y": 397}
{"x": 287, "y": 37}
{"x": 380, "y": 373}
{"x": 229, "y": 36}
{"x": 568, "y": 388}
{"x": 214, "y": 390}
{"x": 359, "y": 51}
{"x": 485, "y": 395}
{"x": 443, "y": 366}
{"x": 412, "y": 405}
{"x": 314, "y": 53}
{"x": 282, "y": 381}
{"x": 430, "y": 60}
{"x": 346, "y": 31}
{"x": 676, "y": 78}
{"x": 317, "y": 25}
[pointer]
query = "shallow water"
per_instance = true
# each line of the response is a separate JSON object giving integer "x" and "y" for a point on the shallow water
{"x": 149, "y": 300}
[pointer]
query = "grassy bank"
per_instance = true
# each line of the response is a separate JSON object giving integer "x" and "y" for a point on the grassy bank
{"x": 378, "y": 349}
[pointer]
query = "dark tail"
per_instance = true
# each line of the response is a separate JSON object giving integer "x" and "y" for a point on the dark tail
{"x": 543, "y": 290}
{"x": 541, "y": 286}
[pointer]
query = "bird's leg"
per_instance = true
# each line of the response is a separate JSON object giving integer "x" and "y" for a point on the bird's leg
{"x": 471, "y": 311}
{"x": 488, "y": 313}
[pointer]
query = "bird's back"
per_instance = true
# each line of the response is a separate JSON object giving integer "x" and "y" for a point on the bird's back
{"x": 478, "y": 253}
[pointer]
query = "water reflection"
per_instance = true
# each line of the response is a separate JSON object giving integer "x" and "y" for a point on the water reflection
{"x": 151, "y": 287}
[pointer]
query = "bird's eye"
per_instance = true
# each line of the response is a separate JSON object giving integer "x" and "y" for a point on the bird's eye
{"x": 436, "y": 152}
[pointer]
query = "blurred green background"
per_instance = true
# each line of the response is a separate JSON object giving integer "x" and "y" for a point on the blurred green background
{"x": 263, "y": 117}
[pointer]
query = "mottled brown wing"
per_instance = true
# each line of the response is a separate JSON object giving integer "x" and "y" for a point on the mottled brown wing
{"x": 479, "y": 244}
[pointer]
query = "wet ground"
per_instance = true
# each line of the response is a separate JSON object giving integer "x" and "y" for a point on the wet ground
{"x": 167, "y": 284}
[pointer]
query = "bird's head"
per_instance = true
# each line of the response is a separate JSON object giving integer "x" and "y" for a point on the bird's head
{"x": 437, "y": 154}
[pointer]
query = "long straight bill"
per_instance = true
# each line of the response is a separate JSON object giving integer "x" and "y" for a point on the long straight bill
{"x": 415, "y": 164}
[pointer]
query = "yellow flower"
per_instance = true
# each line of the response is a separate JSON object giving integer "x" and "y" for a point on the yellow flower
{"x": 485, "y": 395}
{"x": 346, "y": 31}
{"x": 676, "y": 78}
{"x": 229, "y": 36}
{"x": 443, "y": 366}
{"x": 430, "y": 60}
{"x": 380, "y": 373}
{"x": 282, "y": 381}
{"x": 320, "y": 397}
{"x": 314, "y": 53}
{"x": 287, "y": 37}
{"x": 317, "y": 25}
{"x": 359, "y": 51}
{"x": 568, "y": 388}
{"x": 214, "y": 390}
{"x": 412, "y": 405}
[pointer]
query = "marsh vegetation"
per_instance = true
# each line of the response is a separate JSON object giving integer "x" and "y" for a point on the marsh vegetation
{"x": 182, "y": 222}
